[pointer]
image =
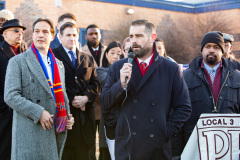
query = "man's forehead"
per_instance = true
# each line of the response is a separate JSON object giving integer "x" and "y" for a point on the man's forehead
{"x": 137, "y": 29}
{"x": 42, "y": 26}
{"x": 70, "y": 30}
{"x": 93, "y": 30}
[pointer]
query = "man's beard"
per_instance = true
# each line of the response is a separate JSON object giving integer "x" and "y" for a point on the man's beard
{"x": 211, "y": 61}
{"x": 96, "y": 43}
{"x": 142, "y": 52}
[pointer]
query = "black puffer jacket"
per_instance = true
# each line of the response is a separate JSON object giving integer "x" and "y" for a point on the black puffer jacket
{"x": 202, "y": 98}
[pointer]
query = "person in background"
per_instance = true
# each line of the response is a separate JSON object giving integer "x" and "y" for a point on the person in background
{"x": 96, "y": 49}
{"x": 81, "y": 98}
{"x": 228, "y": 47}
{"x": 11, "y": 46}
{"x": 213, "y": 83}
{"x": 5, "y": 15}
{"x": 112, "y": 52}
{"x": 125, "y": 47}
{"x": 162, "y": 50}
{"x": 64, "y": 18}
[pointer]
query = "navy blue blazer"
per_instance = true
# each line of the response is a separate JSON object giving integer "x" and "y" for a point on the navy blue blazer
{"x": 55, "y": 43}
{"x": 156, "y": 107}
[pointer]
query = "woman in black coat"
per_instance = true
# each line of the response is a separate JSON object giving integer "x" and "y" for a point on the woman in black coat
{"x": 112, "y": 52}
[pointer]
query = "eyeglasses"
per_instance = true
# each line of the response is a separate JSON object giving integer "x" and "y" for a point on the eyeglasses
{"x": 16, "y": 30}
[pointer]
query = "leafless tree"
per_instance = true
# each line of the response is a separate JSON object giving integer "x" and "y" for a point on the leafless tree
{"x": 183, "y": 36}
{"x": 119, "y": 29}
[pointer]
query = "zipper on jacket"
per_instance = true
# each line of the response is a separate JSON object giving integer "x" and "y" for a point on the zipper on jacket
{"x": 215, "y": 105}
{"x": 222, "y": 86}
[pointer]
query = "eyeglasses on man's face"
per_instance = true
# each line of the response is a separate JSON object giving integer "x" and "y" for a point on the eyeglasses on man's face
{"x": 16, "y": 30}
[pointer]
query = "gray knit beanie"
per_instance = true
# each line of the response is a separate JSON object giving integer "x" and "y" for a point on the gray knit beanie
{"x": 6, "y": 14}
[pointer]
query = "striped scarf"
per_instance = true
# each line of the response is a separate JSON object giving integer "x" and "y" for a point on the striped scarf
{"x": 56, "y": 88}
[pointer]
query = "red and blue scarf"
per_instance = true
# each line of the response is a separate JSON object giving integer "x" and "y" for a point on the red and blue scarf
{"x": 56, "y": 88}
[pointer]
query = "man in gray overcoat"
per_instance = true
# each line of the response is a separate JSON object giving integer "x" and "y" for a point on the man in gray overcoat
{"x": 35, "y": 90}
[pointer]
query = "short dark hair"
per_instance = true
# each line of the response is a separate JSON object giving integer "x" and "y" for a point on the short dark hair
{"x": 149, "y": 27}
{"x": 52, "y": 29}
{"x": 91, "y": 26}
{"x": 66, "y": 15}
{"x": 68, "y": 25}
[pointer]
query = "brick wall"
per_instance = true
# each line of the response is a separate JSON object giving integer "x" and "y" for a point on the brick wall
{"x": 101, "y": 13}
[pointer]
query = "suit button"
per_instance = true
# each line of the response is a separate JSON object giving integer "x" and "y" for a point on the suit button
{"x": 153, "y": 103}
{"x": 151, "y": 120}
{"x": 151, "y": 135}
{"x": 134, "y": 117}
{"x": 134, "y": 101}
{"x": 134, "y": 133}
{"x": 32, "y": 80}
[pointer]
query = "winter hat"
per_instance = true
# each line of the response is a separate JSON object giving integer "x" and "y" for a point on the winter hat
{"x": 6, "y": 14}
{"x": 11, "y": 23}
{"x": 213, "y": 37}
{"x": 228, "y": 38}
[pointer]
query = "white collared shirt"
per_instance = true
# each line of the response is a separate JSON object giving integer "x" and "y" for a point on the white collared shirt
{"x": 46, "y": 61}
{"x": 147, "y": 61}
{"x": 59, "y": 38}
{"x": 94, "y": 49}
{"x": 69, "y": 55}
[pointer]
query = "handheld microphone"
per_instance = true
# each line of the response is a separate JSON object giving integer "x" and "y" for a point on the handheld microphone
{"x": 131, "y": 56}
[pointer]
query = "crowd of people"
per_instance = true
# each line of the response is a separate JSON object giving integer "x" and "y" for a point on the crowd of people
{"x": 55, "y": 95}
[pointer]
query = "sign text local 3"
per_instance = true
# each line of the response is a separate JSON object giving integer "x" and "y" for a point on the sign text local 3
{"x": 215, "y": 137}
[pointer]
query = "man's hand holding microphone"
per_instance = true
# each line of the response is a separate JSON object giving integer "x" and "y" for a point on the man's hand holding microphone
{"x": 126, "y": 71}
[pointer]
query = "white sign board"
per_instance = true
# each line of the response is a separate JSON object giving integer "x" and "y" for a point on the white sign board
{"x": 215, "y": 137}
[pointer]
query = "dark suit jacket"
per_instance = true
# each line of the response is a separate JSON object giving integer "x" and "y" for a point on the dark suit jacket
{"x": 5, "y": 112}
{"x": 86, "y": 84}
{"x": 144, "y": 123}
{"x": 55, "y": 43}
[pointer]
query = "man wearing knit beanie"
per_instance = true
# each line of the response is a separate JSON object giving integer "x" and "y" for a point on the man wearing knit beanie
{"x": 5, "y": 15}
{"x": 213, "y": 83}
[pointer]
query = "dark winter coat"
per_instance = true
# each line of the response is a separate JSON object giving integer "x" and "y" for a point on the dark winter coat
{"x": 144, "y": 123}
{"x": 5, "y": 112}
{"x": 201, "y": 96}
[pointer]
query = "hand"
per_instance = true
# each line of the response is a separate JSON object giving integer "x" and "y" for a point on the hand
{"x": 126, "y": 71}
{"x": 70, "y": 122}
{"x": 46, "y": 120}
{"x": 80, "y": 101}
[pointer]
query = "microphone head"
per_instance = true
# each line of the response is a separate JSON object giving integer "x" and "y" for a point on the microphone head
{"x": 131, "y": 55}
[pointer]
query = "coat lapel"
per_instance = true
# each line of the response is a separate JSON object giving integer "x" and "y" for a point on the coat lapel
{"x": 7, "y": 51}
{"x": 37, "y": 70}
{"x": 150, "y": 71}
{"x": 64, "y": 55}
{"x": 135, "y": 78}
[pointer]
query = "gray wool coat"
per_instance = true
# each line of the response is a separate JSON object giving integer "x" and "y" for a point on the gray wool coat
{"x": 28, "y": 93}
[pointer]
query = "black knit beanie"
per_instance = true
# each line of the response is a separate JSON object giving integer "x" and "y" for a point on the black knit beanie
{"x": 213, "y": 37}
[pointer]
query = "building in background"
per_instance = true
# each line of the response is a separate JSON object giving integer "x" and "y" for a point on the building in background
{"x": 110, "y": 14}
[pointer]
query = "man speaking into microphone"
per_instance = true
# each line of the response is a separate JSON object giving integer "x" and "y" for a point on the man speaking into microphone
{"x": 154, "y": 88}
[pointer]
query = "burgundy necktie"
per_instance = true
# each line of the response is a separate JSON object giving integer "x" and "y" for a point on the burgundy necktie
{"x": 144, "y": 66}
{"x": 96, "y": 52}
